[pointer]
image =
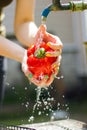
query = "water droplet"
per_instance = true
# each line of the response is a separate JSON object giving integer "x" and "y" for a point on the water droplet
{"x": 52, "y": 118}
{"x": 45, "y": 103}
{"x": 26, "y": 105}
{"x": 58, "y": 104}
{"x": 13, "y": 88}
{"x": 63, "y": 96}
{"x": 25, "y": 88}
{"x": 39, "y": 113}
{"x": 7, "y": 84}
{"x": 47, "y": 114}
{"x": 31, "y": 119}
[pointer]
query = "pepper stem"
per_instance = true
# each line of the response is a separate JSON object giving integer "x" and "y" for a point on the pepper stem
{"x": 40, "y": 53}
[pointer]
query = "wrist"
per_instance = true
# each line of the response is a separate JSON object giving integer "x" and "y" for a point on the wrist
{"x": 23, "y": 55}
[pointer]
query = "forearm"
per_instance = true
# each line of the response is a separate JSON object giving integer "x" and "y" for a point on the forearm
{"x": 25, "y": 33}
{"x": 11, "y": 50}
{"x": 24, "y": 26}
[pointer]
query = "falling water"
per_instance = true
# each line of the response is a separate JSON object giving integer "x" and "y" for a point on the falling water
{"x": 44, "y": 105}
{"x": 39, "y": 41}
{"x": 41, "y": 105}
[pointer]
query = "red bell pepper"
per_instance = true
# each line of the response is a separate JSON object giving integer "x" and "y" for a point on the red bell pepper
{"x": 38, "y": 63}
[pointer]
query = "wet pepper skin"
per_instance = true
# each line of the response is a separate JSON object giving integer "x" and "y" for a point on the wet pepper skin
{"x": 40, "y": 66}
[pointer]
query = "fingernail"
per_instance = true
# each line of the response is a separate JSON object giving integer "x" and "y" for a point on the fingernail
{"x": 48, "y": 54}
{"x": 30, "y": 76}
{"x": 46, "y": 76}
{"x": 48, "y": 44}
{"x": 55, "y": 65}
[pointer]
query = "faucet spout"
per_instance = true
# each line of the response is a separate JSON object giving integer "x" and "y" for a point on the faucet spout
{"x": 56, "y": 6}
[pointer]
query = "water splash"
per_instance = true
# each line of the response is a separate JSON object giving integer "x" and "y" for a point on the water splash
{"x": 44, "y": 106}
{"x": 61, "y": 77}
{"x": 31, "y": 119}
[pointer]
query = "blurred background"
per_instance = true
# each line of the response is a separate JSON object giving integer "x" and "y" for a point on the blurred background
{"x": 68, "y": 93}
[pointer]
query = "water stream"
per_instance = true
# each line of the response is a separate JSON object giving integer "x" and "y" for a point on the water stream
{"x": 44, "y": 106}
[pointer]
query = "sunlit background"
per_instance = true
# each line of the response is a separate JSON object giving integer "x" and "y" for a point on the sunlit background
{"x": 67, "y": 96}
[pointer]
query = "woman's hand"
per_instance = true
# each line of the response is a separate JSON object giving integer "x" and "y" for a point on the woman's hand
{"x": 54, "y": 43}
{"x": 40, "y": 83}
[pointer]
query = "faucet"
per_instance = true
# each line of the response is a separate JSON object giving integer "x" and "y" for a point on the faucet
{"x": 57, "y": 5}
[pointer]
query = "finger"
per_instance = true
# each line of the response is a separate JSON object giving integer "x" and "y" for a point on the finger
{"x": 43, "y": 81}
{"x": 39, "y": 83}
{"x": 33, "y": 80}
{"x": 48, "y": 83}
{"x": 53, "y": 53}
{"x": 56, "y": 65}
{"x": 55, "y": 46}
{"x": 57, "y": 62}
{"x": 56, "y": 71}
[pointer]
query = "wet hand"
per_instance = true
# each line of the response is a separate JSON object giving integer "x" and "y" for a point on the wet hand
{"x": 36, "y": 74}
{"x": 52, "y": 41}
{"x": 44, "y": 82}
